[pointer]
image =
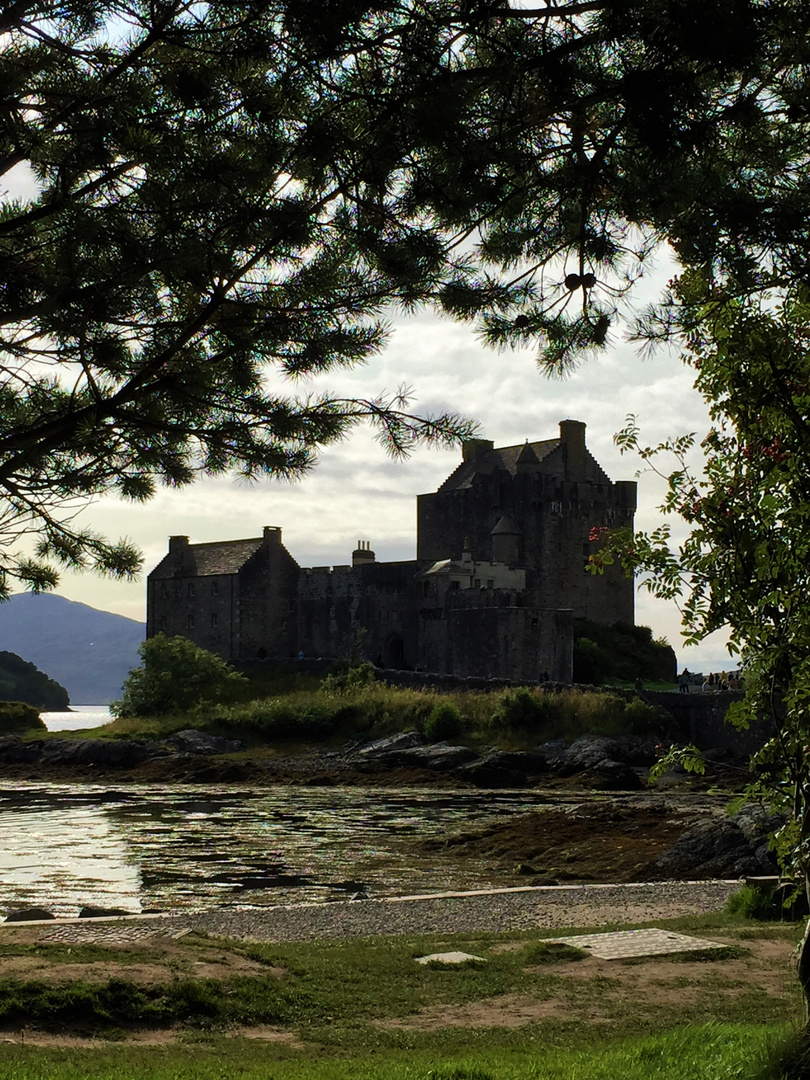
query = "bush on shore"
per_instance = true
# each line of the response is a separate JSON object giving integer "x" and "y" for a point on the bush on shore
{"x": 18, "y": 716}
{"x": 349, "y": 703}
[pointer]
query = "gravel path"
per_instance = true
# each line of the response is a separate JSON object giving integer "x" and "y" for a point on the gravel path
{"x": 506, "y": 909}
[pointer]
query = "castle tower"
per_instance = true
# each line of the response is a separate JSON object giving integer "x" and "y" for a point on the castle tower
{"x": 506, "y": 541}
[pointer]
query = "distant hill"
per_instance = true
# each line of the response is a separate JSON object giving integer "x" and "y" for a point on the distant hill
{"x": 89, "y": 652}
{"x": 20, "y": 680}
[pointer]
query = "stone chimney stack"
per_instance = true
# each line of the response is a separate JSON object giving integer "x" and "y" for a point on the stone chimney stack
{"x": 271, "y": 534}
{"x": 363, "y": 554}
{"x": 178, "y": 545}
{"x": 472, "y": 449}
{"x": 572, "y": 436}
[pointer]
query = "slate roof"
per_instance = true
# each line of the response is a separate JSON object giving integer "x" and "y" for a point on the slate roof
{"x": 210, "y": 560}
{"x": 506, "y": 458}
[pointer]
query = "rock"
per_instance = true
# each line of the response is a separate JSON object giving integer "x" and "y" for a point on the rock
{"x": 109, "y": 753}
{"x": 91, "y": 912}
{"x": 32, "y": 914}
{"x": 15, "y": 751}
{"x": 438, "y": 757}
{"x": 589, "y": 751}
{"x": 191, "y": 741}
{"x": 713, "y": 849}
{"x": 503, "y": 769}
{"x": 450, "y": 958}
{"x": 611, "y": 776}
{"x": 403, "y": 740}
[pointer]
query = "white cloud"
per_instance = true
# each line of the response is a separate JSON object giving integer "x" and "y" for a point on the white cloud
{"x": 357, "y": 492}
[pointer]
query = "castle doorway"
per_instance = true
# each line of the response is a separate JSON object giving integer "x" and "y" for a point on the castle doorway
{"x": 394, "y": 652}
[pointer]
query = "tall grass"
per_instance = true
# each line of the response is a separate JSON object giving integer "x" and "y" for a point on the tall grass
{"x": 341, "y": 709}
{"x": 705, "y": 1052}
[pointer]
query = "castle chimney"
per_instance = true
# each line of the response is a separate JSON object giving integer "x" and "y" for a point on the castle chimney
{"x": 271, "y": 534}
{"x": 572, "y": 436}
{"x": 363, "y": 554}
{"x": 472, "y": 449}
{"x": 177, "y": 544}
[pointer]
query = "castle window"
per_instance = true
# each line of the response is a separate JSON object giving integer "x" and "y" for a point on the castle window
{"x": 164, "y": 591}
{"x": 191, "y": 589}
{"x": 163, "y": 622}
{"x": 190, "y": 622}
{"x": 477, "y": 583}
{"x": 214, "y": 588}
{"x": 214, "y": 620}
{"x": 454, "y": 584}
{"x": 490, "y": 583}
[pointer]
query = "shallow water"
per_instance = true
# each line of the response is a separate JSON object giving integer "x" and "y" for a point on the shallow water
{"x": 77, "y": 718}
{"x": 181, "y": 847}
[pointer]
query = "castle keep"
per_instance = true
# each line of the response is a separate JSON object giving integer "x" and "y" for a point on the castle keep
{"x": 497, "y": 580}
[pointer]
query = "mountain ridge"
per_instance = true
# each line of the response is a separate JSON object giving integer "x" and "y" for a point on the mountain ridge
{"x": 89, "y": 651}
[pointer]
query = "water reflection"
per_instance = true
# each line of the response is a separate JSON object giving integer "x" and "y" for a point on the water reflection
{"x": 143, "y": 848}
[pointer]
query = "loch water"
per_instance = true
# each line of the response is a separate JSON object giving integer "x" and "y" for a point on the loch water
{"x": 184, "y": 847}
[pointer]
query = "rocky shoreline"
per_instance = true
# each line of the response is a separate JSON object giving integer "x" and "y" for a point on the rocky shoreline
{"x": 622, "y": 831}
{"x": 592, "y": 762}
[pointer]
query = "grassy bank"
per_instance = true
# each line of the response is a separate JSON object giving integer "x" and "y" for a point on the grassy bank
{"x": 301, "y": 708}
{"x": 702, "y": 1052}
{"x": 366, "y": 1010}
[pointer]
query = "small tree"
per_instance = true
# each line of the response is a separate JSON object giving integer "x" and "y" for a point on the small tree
{"x": 745, "y": 564}
{"x": 175, "y": 675}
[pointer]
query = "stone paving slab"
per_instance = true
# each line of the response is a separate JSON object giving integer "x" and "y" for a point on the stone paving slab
{"x": 450, "y": 958}
{"x": 625, "y": 944}
{"x": 111, "y": 933}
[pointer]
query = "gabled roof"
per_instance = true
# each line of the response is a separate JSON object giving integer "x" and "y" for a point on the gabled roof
{"x": 506, "y": 458}
{"x": 208, "y": 560}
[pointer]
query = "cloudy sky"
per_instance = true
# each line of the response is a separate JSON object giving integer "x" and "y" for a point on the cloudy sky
{"x": 357, "y": 492}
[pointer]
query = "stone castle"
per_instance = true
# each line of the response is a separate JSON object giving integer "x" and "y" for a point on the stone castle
{"x": 496, "y": 584}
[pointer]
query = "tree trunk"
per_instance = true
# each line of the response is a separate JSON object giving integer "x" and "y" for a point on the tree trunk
{"x": 803, "y": 961}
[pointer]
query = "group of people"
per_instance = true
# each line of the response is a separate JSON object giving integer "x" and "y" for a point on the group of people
{"x": 714, "y": 683}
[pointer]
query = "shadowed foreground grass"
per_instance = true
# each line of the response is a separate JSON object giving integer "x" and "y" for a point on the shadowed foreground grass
{"x": 365, "y": 1010}
{"x": 707, "y": 1052}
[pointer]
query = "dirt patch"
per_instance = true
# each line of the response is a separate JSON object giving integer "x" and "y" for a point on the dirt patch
{"x": 506, "y": 1011}
{"x": 148, "y": 964}
{"x": 654, "y": 980}
{"x": 610, "y": 842}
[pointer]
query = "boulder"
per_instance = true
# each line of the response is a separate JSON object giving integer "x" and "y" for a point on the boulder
{"x": 715, "y": 849}
{"x": 15, "y": 751}
{"x": 32, "y": 914}
{"x": 91, "y": 912}
{"x": 503, "y": 769}
{"x": 589, "y": 751}
{"x": 192, "y": 741}
{"x": 109, "y": 753}
{"x": 403, "y": 740}
{"x": 438, "y": 757}
{"x": 611, "y": 776}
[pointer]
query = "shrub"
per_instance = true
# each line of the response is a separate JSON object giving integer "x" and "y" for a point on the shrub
{"x": 16, "y": 716}
{"x": 444, "y": 722}
{"x": 519, "y": 708}
{"x": 175, "y": 675}
{"x": 753, "y": 902}
{"x": 348, "y": 678}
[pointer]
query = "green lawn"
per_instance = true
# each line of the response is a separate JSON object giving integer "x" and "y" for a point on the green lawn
{"x": 367, "y": 1011}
